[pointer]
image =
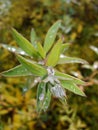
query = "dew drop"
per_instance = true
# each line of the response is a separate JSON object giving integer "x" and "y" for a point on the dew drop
{"x": 41, "y": 97}
{"x": 62, "y": 56}
{"x": 22, "y": 53}
{"x": 45, "y": 108}
{"x": 35, "y": 81}
{"x": 25, "y": 89}
{"x": 9, "y": 48}
{"x": 50, "y": 36}
{"x": 95, "y": 65}
{"x": 53, "y": 31}
{"x": 25, "y": 70}
{"x": 50, "y": 71}
{"x": 13, "y": 49}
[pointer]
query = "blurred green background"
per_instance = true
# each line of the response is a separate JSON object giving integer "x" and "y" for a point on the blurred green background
{"x": 80, "y": 28}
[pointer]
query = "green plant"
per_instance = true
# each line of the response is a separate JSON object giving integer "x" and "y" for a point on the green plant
{"x": 40, "y": 62}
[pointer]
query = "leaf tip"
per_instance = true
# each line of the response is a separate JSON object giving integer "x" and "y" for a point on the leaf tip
{"x": 83, "y": 94}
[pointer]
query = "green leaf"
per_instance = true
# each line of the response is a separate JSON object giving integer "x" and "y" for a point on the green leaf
{"x": 64, "y": 76}
{"x": 51, "y": 35}
{"x": 65, "y": 59}
{"x": 40, "y": 50}
{"x": 29, "y": 84}
{"x": 47, "y": 100}
{"x": 87, "y": 66}
{"x": 69, "y": 85}
{"x": 95, "y": 49}
{"x": 54, "y": 55}
{"x": 43, "y": 97}
{"x": 64, "y": 47}
{"x": 13, "y": 49}
{"x": 24, "y": 44}
{"x": 41, "y": 93}
{"x": 33, "y": 38}
{"x": 34, "y": 68}
{"x": 16, "y": 71}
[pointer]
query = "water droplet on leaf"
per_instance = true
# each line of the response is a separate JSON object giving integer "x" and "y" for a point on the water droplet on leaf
{"x": 50, "y": 36}
{"x": 41, "y": 97}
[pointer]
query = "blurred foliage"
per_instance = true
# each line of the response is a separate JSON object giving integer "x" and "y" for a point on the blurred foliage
{"x": 80, "y": 28}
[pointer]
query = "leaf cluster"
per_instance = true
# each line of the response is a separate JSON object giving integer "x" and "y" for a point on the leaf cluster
{"x": 40, "y": 62}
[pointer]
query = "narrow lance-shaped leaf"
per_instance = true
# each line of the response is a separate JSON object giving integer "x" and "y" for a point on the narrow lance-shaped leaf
{"x": 63, "y": 76}
{"x": 95, "y": 49}
{"x": 65, "y": 59}
{"x": 40, "y": 50}
{"x": 51, "y": 35}
{"x": 13, "y": 49}
{"x": 71, "y": 86}
{"x": 24, "y": 44}
{"x": 47, "y": 100}
{"x": 17, "y": 71}
{"x": 34, "y": 68}
{"x": 33, "y": 38}
{"x": 29, "y": 84}
{"x": 41, "y": 93}
{"x": 64, "y": 47}
{"x": 54, "y": 55}
{"x": 87, "y": 66}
